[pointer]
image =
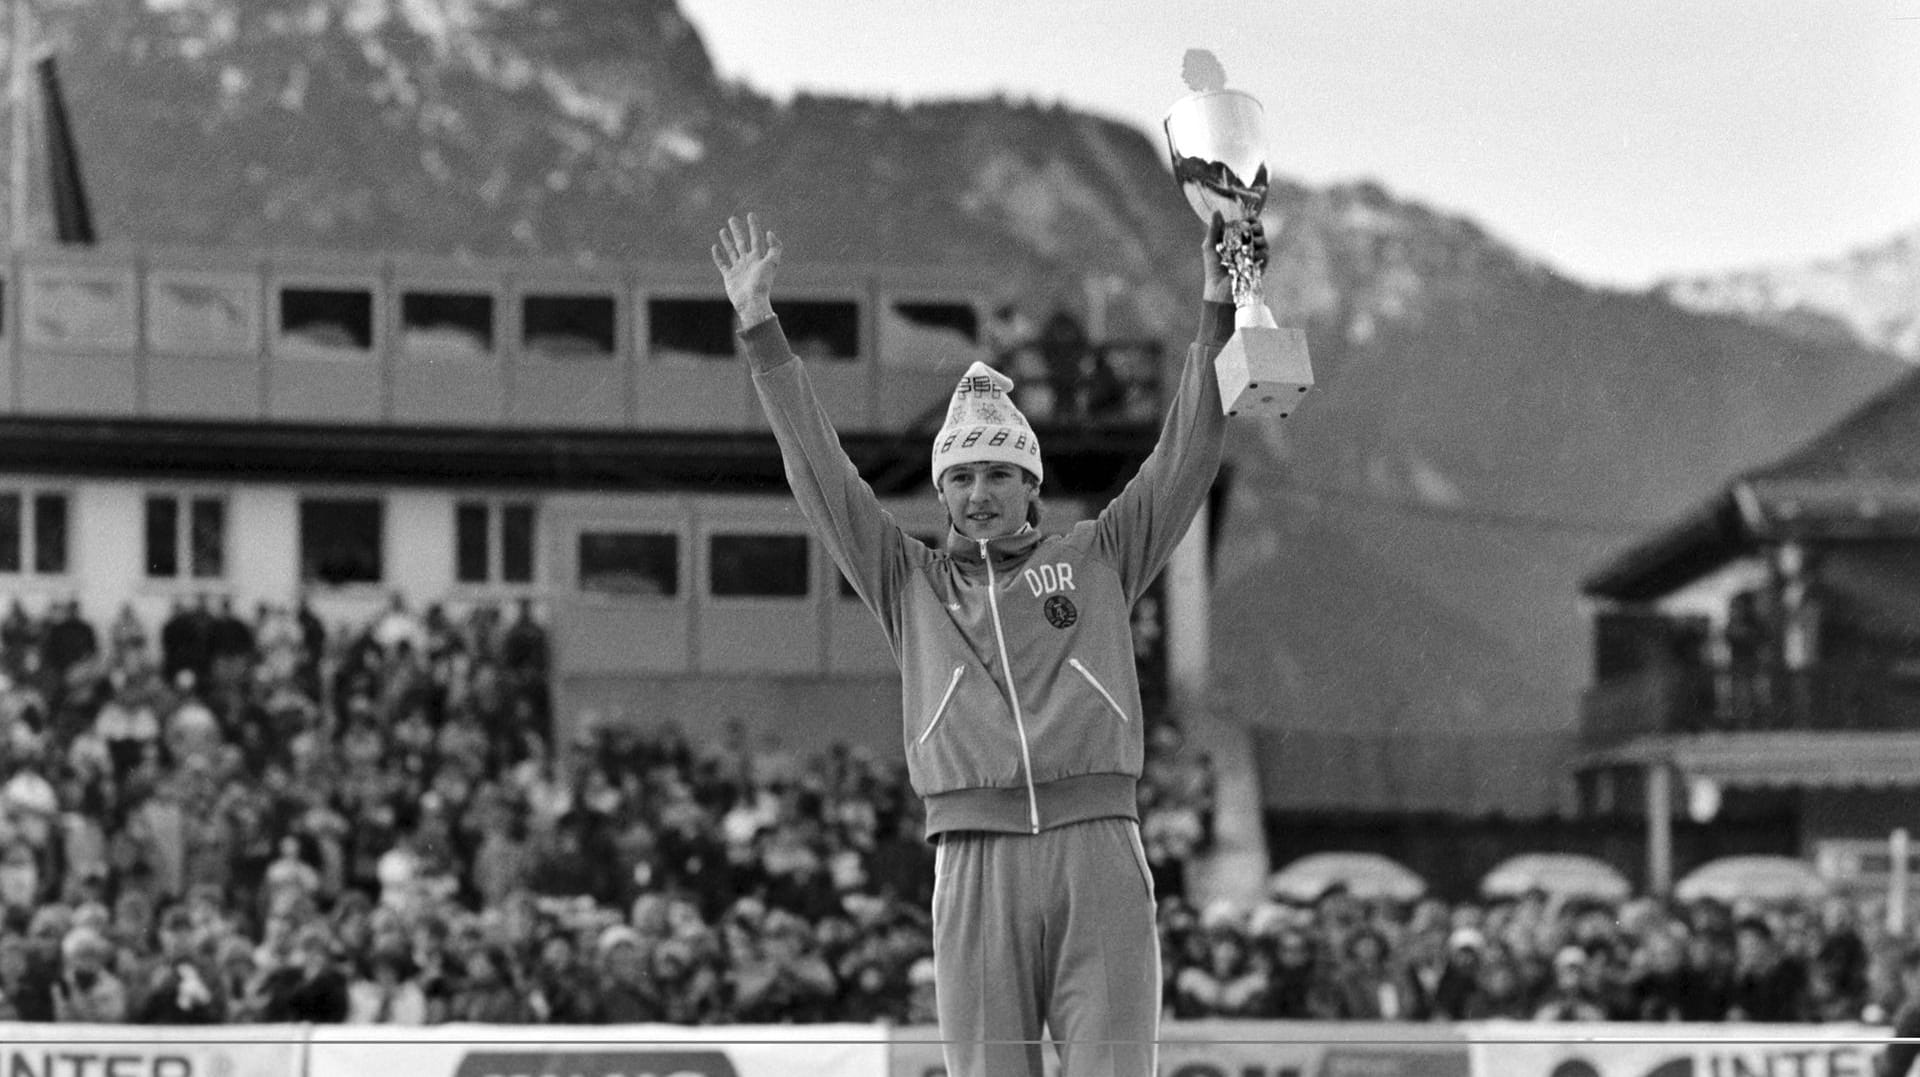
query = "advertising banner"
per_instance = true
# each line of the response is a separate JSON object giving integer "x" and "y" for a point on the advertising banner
{"x": 53, "y": 1050}
{"x": 1257, "y": 1049}
{"x": 599, "y": 1051}
{"x": 1708, "y": 1050}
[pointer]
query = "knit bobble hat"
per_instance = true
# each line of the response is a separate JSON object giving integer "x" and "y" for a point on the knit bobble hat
{"x": 983, "y": 426}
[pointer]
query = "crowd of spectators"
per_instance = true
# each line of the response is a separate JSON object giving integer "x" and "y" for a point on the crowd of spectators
{"x": 1533, "y": 958}
{"x": 268, "y": 818}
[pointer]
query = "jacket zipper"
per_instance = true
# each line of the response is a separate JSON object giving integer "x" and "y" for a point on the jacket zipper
{"x": 941, "y": 711}
{"x": 1013, "y": 694}
{"x": 1098, "y": 687}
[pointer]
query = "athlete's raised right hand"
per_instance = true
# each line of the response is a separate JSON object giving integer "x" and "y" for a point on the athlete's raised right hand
{"x": 748, "y": 258}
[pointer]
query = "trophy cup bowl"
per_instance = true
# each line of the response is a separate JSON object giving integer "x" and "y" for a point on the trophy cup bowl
{"x": 1219, "y": 161}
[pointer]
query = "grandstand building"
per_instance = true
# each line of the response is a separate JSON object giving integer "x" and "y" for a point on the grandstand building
{"x": 1760, "y": 657}
{"x": 262, "y": 424}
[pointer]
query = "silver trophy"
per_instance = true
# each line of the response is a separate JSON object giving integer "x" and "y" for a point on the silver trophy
{"x": 1219, "y": 161}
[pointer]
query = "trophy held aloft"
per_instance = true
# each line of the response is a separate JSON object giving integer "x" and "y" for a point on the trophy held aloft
{"x": 1213, "y": 135}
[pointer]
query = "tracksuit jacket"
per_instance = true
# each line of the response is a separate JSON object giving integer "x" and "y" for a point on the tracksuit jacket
{"x": 1020, "y": 705}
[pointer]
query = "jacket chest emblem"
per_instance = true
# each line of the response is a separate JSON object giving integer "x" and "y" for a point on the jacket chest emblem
{"x": 1060, "y": 611}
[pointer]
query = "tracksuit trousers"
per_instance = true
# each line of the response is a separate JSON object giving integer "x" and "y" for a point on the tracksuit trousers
{"x": 1054, "y": 929}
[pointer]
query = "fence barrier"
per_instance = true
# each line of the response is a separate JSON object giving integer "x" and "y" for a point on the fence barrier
{"x": 1188, "y": 1049}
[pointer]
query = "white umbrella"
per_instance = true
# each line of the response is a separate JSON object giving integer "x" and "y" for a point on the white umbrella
{"x": 1563, "y": 875}
{"x": 1752, "y": 878}
{"x": 1365, "y": 875}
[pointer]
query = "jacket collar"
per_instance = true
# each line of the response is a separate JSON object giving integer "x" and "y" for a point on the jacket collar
{"x": 1004, "y": 549}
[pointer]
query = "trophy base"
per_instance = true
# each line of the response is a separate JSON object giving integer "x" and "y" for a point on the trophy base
{"x": 1263, "y": 371}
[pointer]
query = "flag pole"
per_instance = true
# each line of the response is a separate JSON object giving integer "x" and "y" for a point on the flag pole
{"x": 20, "y": 35}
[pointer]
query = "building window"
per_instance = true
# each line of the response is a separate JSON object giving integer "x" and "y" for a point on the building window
{"x": 74, "y": 307}
{"x": 202, "y": 313}
{"x": 930, "y": 335}
{"x": 690, "y": 328}
{"x": 568, "y": 326}
{"x": 821, "y": 328}
{"x": 630, "y": 563}
{"x": 50, "y": 534}
{"x": 455, "y": 325}
{"x": 342, "y": 540}
{"x": 959, "y": 320}
{"x": 10, "y": 540}
{"x": 186, "y": 537}
{"x": 493, "y": 542}
{"x": 33, "y": 533}
{"x": 331, "y": 319}
{"x": 744, "y": 565}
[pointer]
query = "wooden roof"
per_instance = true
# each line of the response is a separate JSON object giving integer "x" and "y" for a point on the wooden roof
{"x": 1858, "y": 479}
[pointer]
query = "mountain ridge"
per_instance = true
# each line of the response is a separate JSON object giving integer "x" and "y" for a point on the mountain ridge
{"x": 1870, "y": 294}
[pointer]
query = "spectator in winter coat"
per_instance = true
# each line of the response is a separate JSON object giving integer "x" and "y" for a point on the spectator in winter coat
{"x": 690, "y": 987}
{"x": 1231, "y": 984}
{"x": 1656, "y": 979}
{"x": 69, "y": 639}
{"x": 1456, "y": 994}
{"x": 1898, "y": 1058}
{"x": 1842, "y": 958}
{"x": 1706, "y": 980}
{"x": 1366, "y": 988}
{"x": 26, "y": 991}
{"x": 490, "y": 991}
{"x": 1570, "y": 997}
{"x": 183, "y": 988}
{"x": 1502, "y": 992}
{"x": 87, "y": 991}
{"x": 1298, "y": 986}
{"x": 627, "y": 994}
{"x": 787, "y": 981}
{"x": 562, "y": 990}
{"x": 313, "y": 989}
{"x": 388, "y": 993}
{"x": 1767, "y": 984}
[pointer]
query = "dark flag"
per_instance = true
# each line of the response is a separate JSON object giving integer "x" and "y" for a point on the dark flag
{"x": 72, "y": 219}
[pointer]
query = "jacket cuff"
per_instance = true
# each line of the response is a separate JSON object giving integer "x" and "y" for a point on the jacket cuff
{"x": 1216, "y": 324}
{"x": 766, "y": 345}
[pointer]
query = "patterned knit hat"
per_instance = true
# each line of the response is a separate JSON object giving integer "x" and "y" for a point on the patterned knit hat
{"x": 983, "y": 425}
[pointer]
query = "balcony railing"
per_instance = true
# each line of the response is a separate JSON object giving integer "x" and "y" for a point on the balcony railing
{"x": 1683, "y": 700}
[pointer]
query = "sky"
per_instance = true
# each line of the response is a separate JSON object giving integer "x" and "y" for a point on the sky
{"x": 1621, "y": 141}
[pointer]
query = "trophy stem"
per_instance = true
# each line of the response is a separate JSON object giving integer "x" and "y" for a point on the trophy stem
{"x": 1253, "y": 315}
{"x": 1245, "y": 269}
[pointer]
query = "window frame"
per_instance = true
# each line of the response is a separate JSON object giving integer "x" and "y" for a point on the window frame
{"x": 643, "y": 345}
{"x": 381, "y": 586}
{"x": 716, "y": 526}
{"x": 29, "y": 536}
{"x": 863, "y": 323}
{"x": 495, "y": 505}
{"x": 183, "y": 578}
{"x": 610, "y": 290}
{"x": 283, "y": 348}
{"x": 885, "y": 303}
{"x": 168, "y": 345}
{"x": 492, "y": 354}
{"x": 124, "y": 333}
{"x": 683, "y": 581}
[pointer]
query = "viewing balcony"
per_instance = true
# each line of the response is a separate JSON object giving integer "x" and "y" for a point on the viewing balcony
{"x": 1683, "y": 700}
